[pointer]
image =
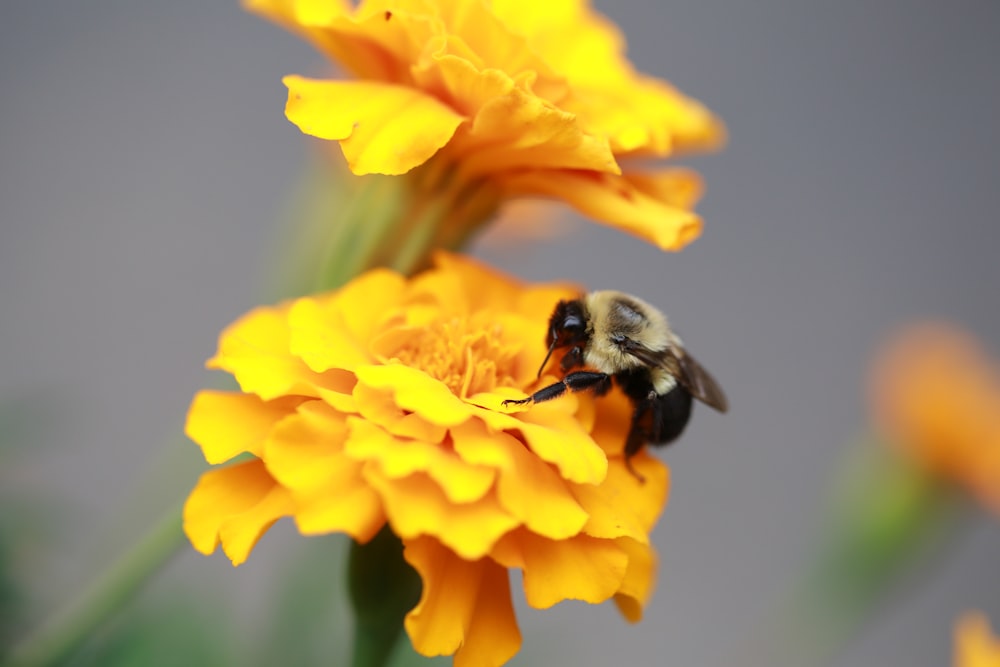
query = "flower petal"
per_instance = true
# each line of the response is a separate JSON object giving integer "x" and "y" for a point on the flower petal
{"x": 623, "y": 506}
{"x": 615, "y": 201}
{"x": 556, "y": 437}
{"x": 416, "y": 506}
{"x": 226, "y": 424}
{"x": 380, "y": 408}
{"x": 464, "y": 606}
{"x": 640, "y": 577}
{"x": 235, "y": 504}
{"x": 580, "y": 568}
{"x": 255, "y": 349}
{"x": 532, "y": 491}
{"x": 382, "y": 128}
{"x": 397, "y": 457}
{"x": 417, "y": 392}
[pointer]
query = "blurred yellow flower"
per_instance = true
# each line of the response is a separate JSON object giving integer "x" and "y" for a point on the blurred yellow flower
{"x": 526, "y": 98}
{"x": 936, "y": 396}
{"x": 975, "y": 645}
{"x": 381, "y": 402}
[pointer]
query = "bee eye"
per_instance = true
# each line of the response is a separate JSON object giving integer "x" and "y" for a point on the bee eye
{"x": 572, "y": 322}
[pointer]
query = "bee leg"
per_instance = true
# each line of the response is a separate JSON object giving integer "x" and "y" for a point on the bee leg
{"x": 637, "y": 435}
{"x": 599, "y": 383}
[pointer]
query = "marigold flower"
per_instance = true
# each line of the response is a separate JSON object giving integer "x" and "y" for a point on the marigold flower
{"x": 381, "y": 402}
{"x": 975, "y": 645}
{"x": 936, "y": 396}
{"x": 531, "y": 98}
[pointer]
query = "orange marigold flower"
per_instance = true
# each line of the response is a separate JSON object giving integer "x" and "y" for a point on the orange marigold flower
{"x": 381, "y": 402}
{"x": 937, "y": 397}
{"x": 975, "y": 645}
{"x": 533, "y": 98}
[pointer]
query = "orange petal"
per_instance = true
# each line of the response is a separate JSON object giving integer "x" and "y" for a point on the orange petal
{"x": 348, "y": 506}
{"x": 398, "y": 457}
{"x": 556, "y": 437}
{"x": 235, "y": 504}
{"x": 226, "y": 424}
{"x": 319, "y": 336}
{"x": 306, "y": 449}
{"x": 380, "y": 408}
{"x": 513, "y": 128}
{"x": 623, "y": 506}
{"x": 382, "y": 128}
{"x": 614, "y": 201}
{"x": 465, "y": 607}
{"x": 255, "y": 349}
{"x": 531, "y": 490}
{"x": 416, "y": 506}
{"x": 639, "y": 580}
{"x": 417, "y": 392}
{"x": 580, "y": 568}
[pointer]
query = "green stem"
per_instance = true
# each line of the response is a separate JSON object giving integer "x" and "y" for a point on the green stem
{"x": 383, "y": 588}
{"x": 65, "y": 631}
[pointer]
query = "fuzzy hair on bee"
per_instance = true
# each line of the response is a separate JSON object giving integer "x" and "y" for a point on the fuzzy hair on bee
{"x": 617, "y": 338}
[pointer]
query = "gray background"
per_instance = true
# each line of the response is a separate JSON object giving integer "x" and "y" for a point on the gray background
{"x": 145, "y": 162}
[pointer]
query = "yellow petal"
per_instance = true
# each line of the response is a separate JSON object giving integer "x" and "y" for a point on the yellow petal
{"x": 555, "y": 437}
{"x": 306, "y": 449}
{"x": 399, "y": 457}
{"x": 531, "y": 490}
{"x": 623, "y": 506}
{"x": 513, "y": 128}
{"x": 319, "y": 336}
{"x": 416, "y": 506}
{"x": 240, "y": 532}
{"x": 380, "y": 408}
{"x": 417, "y": 392}
{"x": 465, "y": 607}
{"x": 226, "y": 424}
{"x": 639, "y": 580}
{"x": 351, "y": 507}
{"x": 616, "y": 202}
{"x": 580, "y": 568}
{"x": 255, "y": 349}
{"x": 241, "y": 501}
{"x": 382, "y": 128}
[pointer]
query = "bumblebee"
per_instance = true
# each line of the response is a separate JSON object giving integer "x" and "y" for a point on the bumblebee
{"x": 626, "y": 341}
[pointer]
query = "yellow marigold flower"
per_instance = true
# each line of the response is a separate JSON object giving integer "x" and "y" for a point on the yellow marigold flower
{"x": 937, "y": 397}
{"x": 975, "y": 645}
{"x": 531, "y": 98}
{"x": 381, "y": 402}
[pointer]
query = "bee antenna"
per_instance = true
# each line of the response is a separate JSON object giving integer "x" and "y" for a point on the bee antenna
{"x": 542, "y": 367}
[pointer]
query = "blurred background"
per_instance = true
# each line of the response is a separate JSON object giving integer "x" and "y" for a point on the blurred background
{"x": 145, "y": 169}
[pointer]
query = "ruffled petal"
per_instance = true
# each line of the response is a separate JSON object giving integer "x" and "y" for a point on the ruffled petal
{"x": 397, "y": 458}
{"x": 616, "y": 201}
{"x": 623, "y": 506}
{"x": 465, "y": 606}
{"x": 255, "y": 349}
{"x": 382, "y": 128}
{"x": 226, "y": 424}
{"x": 235, "y": 504}
{"x": 417, "y": 392}
{"x": 580, "y": 568}
{"x": 556, "y": 437}
{"x": 640, "y": 577}
{"x": 416, "y": 506}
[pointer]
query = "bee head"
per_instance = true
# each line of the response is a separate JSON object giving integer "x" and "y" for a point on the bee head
{"x": 567, "y": 327}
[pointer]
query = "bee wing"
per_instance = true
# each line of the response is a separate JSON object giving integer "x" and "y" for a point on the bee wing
{"x": 698, "y": 381}
{"x": 691, "y": 375}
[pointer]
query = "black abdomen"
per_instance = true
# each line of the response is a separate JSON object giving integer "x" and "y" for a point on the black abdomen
{"x": 659, "y": 418}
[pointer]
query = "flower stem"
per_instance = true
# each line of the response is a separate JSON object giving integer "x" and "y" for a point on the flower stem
{"x": 383, "y": 588}
{"x": 70, "y": 627}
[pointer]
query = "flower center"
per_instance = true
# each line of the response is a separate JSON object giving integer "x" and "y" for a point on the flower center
{"x": 467, "y": 354}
